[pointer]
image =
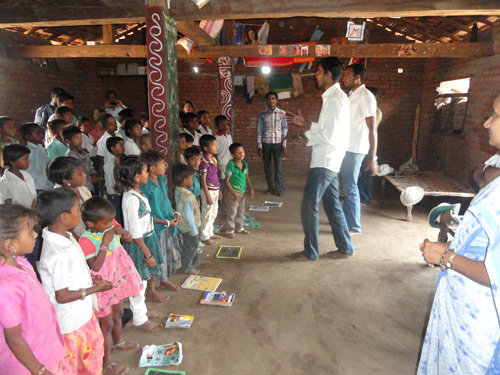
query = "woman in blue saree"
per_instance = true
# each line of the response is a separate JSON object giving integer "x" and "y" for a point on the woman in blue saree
{"x": 463, "y": 334}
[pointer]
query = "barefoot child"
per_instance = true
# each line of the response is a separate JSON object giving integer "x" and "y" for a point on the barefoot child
{"x": 188, "y": 206}
{"x": 210, "y": 192}
{"x": 30, "y": 339}
{"x": 236, "y": 184}
{"x": 145, "y": 250}
{"x": 67, "y": 280}
{"x": 108, "y": 260}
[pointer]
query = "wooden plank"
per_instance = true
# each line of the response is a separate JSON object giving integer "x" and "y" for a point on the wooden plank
{"x": 108, "y": 34}
{"x": 419, "y": 50}
{"x": 193, "y": 32}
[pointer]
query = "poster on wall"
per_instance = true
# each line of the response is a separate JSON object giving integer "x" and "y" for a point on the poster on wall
{"x": 355, "y": 32}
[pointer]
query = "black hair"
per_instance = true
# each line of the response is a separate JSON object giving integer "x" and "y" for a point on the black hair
{"x": 144, "y": 117}
{"x": 103, "y": 120}
{"x": 62, "y": 168}
{"x": 110, "y": 92}
{"x": 69, "y": 132}
{"x": 188, "y": 102}
{"x": 247, "y": 33}
{"x": 181, "y": 116}
{"x": 125, "y": 172}
{"x": 56, "y": 124}
{"x": 28, "y": 128}
{"x": 112, "y": 142}
{"x": 50, "y": 204}
{"x": 219, "y": 119}
{"x": 129, "y": 125}
{"x": 81, "y": 120}
{"x": 144, "y": 139}
{"x": 180, "y": 172}
{"x": 11, "y": 220}
{"x": 95, "y": 114}
{"x": 125, "y": 114}
{"x": 12, "y": 153}
{"x": 357, "y": 70}
{"x": 55, "y": 91}
{"x": 373, "y": 90}
{"x": 190, "y": 116}
{"x": 4, "y": 120}
{"x": 63, "y": 96}
{"x": 188, "y": 137}
{"x": 191, "y": 151}
{"x": 271, "y": 93}
{"x": 152, "y": 157}
{"x": 96, "y": 208}
{"x": 332, "y": 65}
{"x": 200, "y": 114}
{"x": 234, "y": 147}
{"x": 62, "y": 110}
{"x": 206, "y": 140}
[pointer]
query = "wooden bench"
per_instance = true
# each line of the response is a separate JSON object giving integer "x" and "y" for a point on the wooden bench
{"x": 435, "y": 184}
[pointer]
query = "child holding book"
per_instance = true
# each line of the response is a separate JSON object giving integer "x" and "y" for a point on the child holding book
{"x": 210, "y": 192}
{"x": 115, "y": 146}
{"x": 67, "y": 280}
{"x": 108, "y": 260}
{"x": 16, "y": 185}
{"x": 236, "y": 183}
{"x": 166, "y": 220}
{"x": 56, "y": 147}
{"x": 187, "y": 204}
{"x": 30, "y": 339}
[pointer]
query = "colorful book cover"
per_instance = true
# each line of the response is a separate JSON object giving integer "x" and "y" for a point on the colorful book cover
{"x": 229, "y": 252}
{"x": 201, "y": 283}
{"x": 179, "y": 321}
{"x": 159, "y": 371}
{"x": 218, "y": 299}
{"x": 161, "y": 355}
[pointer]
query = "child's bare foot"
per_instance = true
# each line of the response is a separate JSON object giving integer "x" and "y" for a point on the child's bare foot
{"x": 192, "y": 271}
{"x": 114, "y": 369}
{"x": 150, "y": 327}
{"x": 168, "y": 285}
{"x": 215, "y": 237}
{"x": 230, "y": 235}
{"x": 209, "y": 242}
{"x": 153, "y": 296}
{"x": 298, "y": 256}
{"x": 244, "y": 231}
{"x": 123, "y": 346}
{"x": 153, "y": 314}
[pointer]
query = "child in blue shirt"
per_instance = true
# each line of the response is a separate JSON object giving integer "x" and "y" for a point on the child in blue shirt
{"x": 192, "y": 155}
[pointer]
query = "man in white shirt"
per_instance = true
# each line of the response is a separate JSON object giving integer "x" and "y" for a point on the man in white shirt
{"x": 363, "y": 141}
{"x": 329, "y": 138}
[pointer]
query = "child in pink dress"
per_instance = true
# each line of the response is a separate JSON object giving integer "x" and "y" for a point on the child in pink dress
{"x": 30, "y": 339}
{"x": 108, "y": 260}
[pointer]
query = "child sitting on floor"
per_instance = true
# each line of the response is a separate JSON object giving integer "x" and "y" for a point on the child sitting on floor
{"x": 108, "y": 260}
{"x": 34, "y": 136}
{"x": 30, "y": 339}
{"x": 185, "y": 141}
{"x": 56, "y": 147}
{"x": 166, "y": 220}
{"x": 187, "y": 205}
{"x": 236, "y": 184}
{"x": 16, "y": 185}
{"x": 67, "y": 280}
{"x": 114, "y": 145}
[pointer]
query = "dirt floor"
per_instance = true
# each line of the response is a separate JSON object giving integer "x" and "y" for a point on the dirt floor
{"x": 361, "y": 316}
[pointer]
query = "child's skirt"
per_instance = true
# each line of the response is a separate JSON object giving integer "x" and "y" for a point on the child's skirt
{"x": 137, "y": 257}
{"x": 170, "y": 251}
{"x": 120, "y": 270}
{"x": 84, "y": 349}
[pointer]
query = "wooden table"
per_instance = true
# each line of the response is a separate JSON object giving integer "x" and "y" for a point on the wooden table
{"x": 435, "y": 184}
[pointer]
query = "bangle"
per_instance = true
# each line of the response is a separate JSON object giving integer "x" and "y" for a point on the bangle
{"x": 41, "y": 371}
{"x": 168, "y": 223}
{"x": 450, "y": 260}
{"x": 84, "y": 293}
{"x": 442, "y": 266}
{"x": 103, "y": 248}
{"x": 149, "y": 257}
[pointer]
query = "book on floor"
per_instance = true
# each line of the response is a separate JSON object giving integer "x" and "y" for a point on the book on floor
{"x": 218, "y": 299}
{"x": 258, "y": 208}
{"x": 250, "y": 222}
{"x": 179, "y": 321}
{"x": 229, "y": 252}
{"x": 201, "y": 283}
{"x": 159, "y": 371}
{"x": 272, "y": 204}
{"x": 161, "y": 355}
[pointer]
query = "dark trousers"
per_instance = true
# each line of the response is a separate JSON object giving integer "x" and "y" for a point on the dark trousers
{"x": 116, "y": 201}
{"x": 365, "y": 183}
{"x": 189, "y": 253}
{"x": 272, "y": 153}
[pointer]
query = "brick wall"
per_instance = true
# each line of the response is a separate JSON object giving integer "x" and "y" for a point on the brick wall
{"x": 457, "y": 154}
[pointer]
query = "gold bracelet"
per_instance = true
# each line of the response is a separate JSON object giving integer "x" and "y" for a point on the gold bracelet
{"x": 442, "y": 266}
{"x": 84, "y": 293}
{"x": 450, "y": 260}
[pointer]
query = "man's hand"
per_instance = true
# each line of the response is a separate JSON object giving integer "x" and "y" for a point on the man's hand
{"x": 259, "y": 151}
{"x": 296, "y": 119}
{"x": 372, "y": 167}
{"x": 432, "y": 251}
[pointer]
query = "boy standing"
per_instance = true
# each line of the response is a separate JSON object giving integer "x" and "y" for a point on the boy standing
{"x": 187, "y": 205}
{"x": 108, "y": 123}
{"x": 224, "y": 140}
{"x": 236, "y": 181}
{"x": 34, "y": 136}
{"x": 56, "y": 147}
{"x": 116, "y": 147}
{"x": 193, "y": 159}
{"x": 185, "y": 141}
{"x": 190, "y": 125}
{"x": 271, "y": 143}
{"x": 210, "y": 193}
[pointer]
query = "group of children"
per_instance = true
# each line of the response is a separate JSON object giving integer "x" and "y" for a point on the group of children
{"x": 91, "y": 252}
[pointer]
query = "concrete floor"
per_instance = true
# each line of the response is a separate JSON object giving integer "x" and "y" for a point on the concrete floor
{"x": 360, "y": 316}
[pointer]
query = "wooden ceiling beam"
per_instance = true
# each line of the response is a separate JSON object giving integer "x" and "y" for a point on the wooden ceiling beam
{"x": 387, "y": 24}
{"x": 191, "y": 30}
{"x": 419, "y": 50}
{"x": 436, "y": 30}
{"x": 108, "y": 34}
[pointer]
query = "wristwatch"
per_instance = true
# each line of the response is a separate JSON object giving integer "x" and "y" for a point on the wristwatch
{"x": 374, "y": 158}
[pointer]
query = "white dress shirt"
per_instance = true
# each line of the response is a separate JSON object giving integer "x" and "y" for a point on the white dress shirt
{"x": 21, "y": 192}
{"x": 88, "y": 144}
{"x": 62, "y": 265}
{"x": 329, "y": 137}
{"x": 223, "y": 156}
{"x": 362, "y": 104}
{"x": 109, "y": 176}
{"x": 196, "y": 136}
{"x": 102, "y": 150}
{"x": 131, "y": 148}
{"x": 38, "y": 166}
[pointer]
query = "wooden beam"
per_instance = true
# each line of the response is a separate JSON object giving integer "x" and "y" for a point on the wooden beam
{"x": 193, "y": 32}
{"x": 108, "y": 34}
{"x": 419, "y": 50}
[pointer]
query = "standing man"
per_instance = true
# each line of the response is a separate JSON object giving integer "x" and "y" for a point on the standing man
{"x": 113, "y": 105}
{"x": 45, "y": 111}
{"x": 271, "y": 143}
{"x": 329, "y": 138}
{"x": 363, "y": 141}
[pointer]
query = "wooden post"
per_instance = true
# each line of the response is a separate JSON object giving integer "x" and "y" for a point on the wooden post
{"x": 226, "y": 69}
{"x": 108, "y": 34}
{"x": 495, "y": 36}
{"x": 161, "y": 44}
